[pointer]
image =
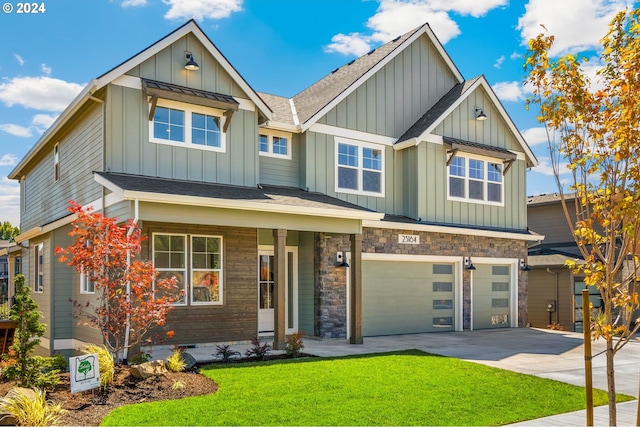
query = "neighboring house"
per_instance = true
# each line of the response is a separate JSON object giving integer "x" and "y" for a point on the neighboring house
{"x": 393, "y": 165}
{"x": 4, "y": 270}
{"x": 551, "y": 283}
{"x": 9, "y": 267}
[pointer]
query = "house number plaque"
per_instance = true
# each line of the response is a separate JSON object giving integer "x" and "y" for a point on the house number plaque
{"x": 408, "y": 239}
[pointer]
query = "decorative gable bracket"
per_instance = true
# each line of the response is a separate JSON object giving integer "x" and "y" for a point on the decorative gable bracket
{"x": 155, "y": 90}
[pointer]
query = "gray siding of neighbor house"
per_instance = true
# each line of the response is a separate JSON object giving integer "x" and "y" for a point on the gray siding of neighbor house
{"x": 550, "y": 221}
{"x": 542, "y": 288}
{"x": 80, "y": 151}
{"x": 397, "y": 95}
{"x": 130, "y": 150}
{"x": 121, "y": 210}
{"x": 305, "y": 283}
{"x": 283, "y": 172}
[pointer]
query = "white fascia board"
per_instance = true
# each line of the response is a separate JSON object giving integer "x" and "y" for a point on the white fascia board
{"x": 426, "y": 30}
{"x": 62, "y": 119}
{"x": 432, "y": 138}
{"x": 352, "y": 134}
{"x": 190, "y": 27}
{"x": 248, "y": 205}
{"x": 452, "y": 230}
{"x": 285, "y": 127}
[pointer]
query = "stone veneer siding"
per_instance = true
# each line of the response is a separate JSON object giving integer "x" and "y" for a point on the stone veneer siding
{"x": 330, "y": 287}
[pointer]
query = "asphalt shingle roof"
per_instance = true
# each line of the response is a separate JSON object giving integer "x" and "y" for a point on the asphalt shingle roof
{"x": 269, "y": 195}
{"x": 280, "y": 106}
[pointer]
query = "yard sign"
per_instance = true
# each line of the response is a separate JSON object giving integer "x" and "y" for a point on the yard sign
{"x": 84, "y": 372}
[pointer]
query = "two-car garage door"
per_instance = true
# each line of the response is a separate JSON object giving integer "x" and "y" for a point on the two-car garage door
{"x": 406, "y": 296}
{"x": 401, "y": 297}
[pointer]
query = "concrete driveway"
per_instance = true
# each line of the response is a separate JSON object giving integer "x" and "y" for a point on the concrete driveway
{"x": 549, "y": 354}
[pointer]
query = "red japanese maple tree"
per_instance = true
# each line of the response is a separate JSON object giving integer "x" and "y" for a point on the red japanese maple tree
{"x": 130, "y": 302}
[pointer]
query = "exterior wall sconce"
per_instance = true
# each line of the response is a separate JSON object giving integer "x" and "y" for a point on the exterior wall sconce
{"x": 524, "y": 266}
{"x": 468, "y": 265}
{"x": 191, "y": 64}
{"x": 480, "y": 115}
{"x": 341, "y": 260}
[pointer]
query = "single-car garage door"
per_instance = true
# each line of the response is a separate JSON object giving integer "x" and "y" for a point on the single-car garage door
{"x": 405, "y": 297}
{"x": 492, "y": 302}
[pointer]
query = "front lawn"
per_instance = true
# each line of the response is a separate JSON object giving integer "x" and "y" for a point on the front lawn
{"x": 400, "y": 388}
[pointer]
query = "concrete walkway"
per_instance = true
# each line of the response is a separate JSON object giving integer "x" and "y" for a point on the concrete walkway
{"x": 549, "y": 354}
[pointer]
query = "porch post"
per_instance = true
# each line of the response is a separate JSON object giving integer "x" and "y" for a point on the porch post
{"x": 355, "y": 296}
{"x": 10, "y": 279}
{"x": 280, "y": 288}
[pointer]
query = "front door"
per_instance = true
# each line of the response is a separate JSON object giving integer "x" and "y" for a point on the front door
{"x": 266, "y": 295}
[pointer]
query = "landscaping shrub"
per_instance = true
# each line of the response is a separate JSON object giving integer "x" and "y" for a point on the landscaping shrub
{"x": 226, "y": 353}
{"x": 140, "y": 357}
{"x": 105, "y": 363}
{"x": 261, "y": 351}
{"x": 294, "y": 344}
{"x": 175, "y": 362}
{"x": 29, "y": 411}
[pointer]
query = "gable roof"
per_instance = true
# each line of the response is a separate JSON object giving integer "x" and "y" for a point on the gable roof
{"x": 316, "y": 100}
{"x": 87, "y": 92}
{"x": 421, "y": 129}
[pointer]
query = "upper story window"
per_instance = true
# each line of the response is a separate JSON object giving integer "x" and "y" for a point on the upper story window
{"x": 176, "y": 123}
{"x": 359, "y": 167}
{"x": 274, "y": 144}
{"x": 56, "y": 162}
{"x": 475, "y": 179}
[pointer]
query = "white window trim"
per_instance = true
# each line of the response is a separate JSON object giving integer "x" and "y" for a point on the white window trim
{"x": 220, "y": 272}
{"x": 270, "y": 133}
{"x": 84, "y": 281}
{"x": 485, "y": 180}
{"x": 186, "y": 267}
{"x": 38, "y": 287}
{"x": 360, "y": 145}
{"x": 188, "y": 109}
{"x": 56, "y": 162}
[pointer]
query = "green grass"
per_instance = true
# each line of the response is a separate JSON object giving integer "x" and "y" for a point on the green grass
{"x": 400, "y": 388}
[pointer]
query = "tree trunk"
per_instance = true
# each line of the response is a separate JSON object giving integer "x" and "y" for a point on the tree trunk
{"x": 611, "y": 383}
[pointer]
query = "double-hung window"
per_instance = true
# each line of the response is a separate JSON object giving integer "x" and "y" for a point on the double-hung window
{"x": 195, "y": 261}
{"x": 175, "y": 123}
{"x": 86, "y": 284}
{"x": 274, "y": 144}
{"x": 475, "y": 179}
{"x": 359, "y": 168}
{"x": 38, "y": 252}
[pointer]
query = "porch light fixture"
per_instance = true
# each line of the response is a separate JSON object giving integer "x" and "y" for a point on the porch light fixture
{"x": 524, "y": 266}
{"x": 341, "y": 261}
{"x": 191, "y": 64}
{"x": 480, "y": 115}
{"x": 468, "y": 265}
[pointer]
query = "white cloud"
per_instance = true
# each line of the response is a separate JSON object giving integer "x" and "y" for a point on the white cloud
{"x": 134, "y": 3}
{"x": 577, "y": 25}
{"x": 509, "y": 91}
{"x": 43, "y": 121}
{"x": 396, "y": 17}
{"x": 9, "y": 160}
{"x": 16, "y": 130}
{"x": 349, "y": 44}
{"x": 10, "y": 201}
{"x": 515, "y": 56}
{"x": 19, "y": 59}
{"x": 499, "y": 62}
{"x": 45, "y": 69}
{"x": 544, "y": 167}
{"x": 40, "y": 93}
{"x": 201, "y": 9}
{"x": 535, "y": 136}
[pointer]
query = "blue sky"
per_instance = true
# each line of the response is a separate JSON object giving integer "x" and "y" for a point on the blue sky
{"x": 279, "y": 46}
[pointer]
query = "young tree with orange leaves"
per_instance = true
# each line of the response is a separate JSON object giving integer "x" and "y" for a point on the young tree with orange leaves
{"x": 130, "y": 302}
{"x": 595, "y": 130}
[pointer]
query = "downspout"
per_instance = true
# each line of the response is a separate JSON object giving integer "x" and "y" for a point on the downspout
{"x": 557, "y": 293}
{"x": 125, "y": 353}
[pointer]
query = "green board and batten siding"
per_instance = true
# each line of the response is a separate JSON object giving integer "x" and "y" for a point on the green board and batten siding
{"x": 128, "y": 125}
{"x": 80, "y": 154}
{"x": 282, "y": 172}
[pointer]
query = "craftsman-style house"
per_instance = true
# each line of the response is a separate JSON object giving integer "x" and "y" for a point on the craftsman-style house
{"x": 387, "y": 198}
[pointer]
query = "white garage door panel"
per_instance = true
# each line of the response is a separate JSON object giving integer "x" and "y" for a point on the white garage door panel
{"x": 398, "y": 298}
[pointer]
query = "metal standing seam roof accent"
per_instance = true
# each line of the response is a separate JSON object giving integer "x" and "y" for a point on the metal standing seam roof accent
{"x": 318, "y": 95}
{"x": 438, "y": 109}
{"x": 183, "y": 90}
{"x": 503, "y": 152}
